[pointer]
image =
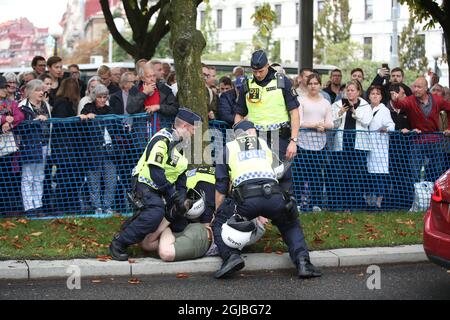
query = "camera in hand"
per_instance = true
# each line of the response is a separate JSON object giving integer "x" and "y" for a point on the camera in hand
{"x": 388, "y": 75}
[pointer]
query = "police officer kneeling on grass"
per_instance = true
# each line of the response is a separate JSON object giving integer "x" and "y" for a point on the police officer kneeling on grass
{"x": 159, "y": 182}
{"x": 255, "y": 191}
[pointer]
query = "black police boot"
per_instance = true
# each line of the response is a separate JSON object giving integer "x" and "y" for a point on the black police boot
{"x": 232, "y": 264}
{"x": 118, "y": 251}
{"x": 306, "y": 269}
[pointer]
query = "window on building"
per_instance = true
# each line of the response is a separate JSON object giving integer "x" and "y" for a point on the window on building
{"x": 202, "y": 18}
{"x": 368, "y": 9}
{"x": 297, "y": 13}
{"x": 368, "y": 48}
{"x": 238, "y": 17}
{"x": 320, "y": 6}
{"x": 296, "y": 50}
{"x": 219, "y": 19}
{"x": 278, "y": 13}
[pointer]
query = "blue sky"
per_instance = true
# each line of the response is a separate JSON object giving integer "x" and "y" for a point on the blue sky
{"x": 43, "y": 13}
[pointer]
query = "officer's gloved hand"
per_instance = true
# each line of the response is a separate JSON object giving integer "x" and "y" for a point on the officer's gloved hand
{"x": 174, "y": 207}
{"x": 171, "y": 199}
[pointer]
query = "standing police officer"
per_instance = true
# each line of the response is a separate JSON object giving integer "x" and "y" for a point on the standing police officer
{"x": 248, "y": 164}
{"x": 269, "y": 101}
{"x": 160, "y": 183}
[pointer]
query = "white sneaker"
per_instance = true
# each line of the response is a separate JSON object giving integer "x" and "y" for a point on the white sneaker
{"x": 316, "y": 209}
{"x": 98, "y": 211}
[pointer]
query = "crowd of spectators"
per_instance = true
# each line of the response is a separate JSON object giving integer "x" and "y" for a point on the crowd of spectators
{"x": 357, "y": 147}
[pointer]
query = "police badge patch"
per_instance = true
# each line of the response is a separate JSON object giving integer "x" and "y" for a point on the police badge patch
{"x": 254, "y": 94}
{"x": 159, "y": 157}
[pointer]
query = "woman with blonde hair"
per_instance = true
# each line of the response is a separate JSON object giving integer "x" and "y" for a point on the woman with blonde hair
{"x": 352, "y": 116}
{"x": 34, "y": 145}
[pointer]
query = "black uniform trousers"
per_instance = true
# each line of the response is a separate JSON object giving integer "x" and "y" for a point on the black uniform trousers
{"x": 149, "y": 218}
{"x": 272, "y": 208}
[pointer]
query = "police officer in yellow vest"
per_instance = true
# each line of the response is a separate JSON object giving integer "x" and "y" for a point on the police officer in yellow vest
{"x": 160, "y": 183}
{"x": 200, "y": 181}
{"x": 248, "y": 165}
{"x": 269, "y": 101}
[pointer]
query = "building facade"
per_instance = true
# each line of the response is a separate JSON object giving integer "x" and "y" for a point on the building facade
{"x": 20, "y": 41}
{"x": 372, "y": 26}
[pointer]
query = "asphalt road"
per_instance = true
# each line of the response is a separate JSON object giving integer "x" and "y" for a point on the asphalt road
{"x": 406, "y": 281}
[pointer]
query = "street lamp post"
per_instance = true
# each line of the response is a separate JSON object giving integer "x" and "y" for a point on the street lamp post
{"x": 395, "y": 16}
{"x": 120, "y": 25}
{"x": 56, "y": 33}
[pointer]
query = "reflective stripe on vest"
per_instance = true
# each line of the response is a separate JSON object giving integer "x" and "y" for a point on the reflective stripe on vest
{"x": 254, "y": 163}
{"x": 175, "y": 165}
{"x": 194, "y": 177}
{"x": 266, "y": 106}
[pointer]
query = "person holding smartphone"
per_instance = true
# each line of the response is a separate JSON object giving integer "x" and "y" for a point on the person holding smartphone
{"x": 385, "y": 77}
{"x": 352, "y": 116}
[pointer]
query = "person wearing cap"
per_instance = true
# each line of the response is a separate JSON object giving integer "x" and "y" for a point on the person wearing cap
{"x": 159, "y": 183}
{"x": 267, "y": 99}
{"x": 248, "y": 165}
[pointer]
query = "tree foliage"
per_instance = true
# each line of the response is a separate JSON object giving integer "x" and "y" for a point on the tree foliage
{"x": 208, "y": 28}
{"x": 332, "y": 26}
{"x": 412, "y": 54}
{"x": 431, "y": 12}
{"x": 85, "y": 49}
{"x": 264, "y": 20}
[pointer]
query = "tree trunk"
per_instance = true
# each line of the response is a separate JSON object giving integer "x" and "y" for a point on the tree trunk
{"x": 187, "y": 44}
{"x": 447, "y": 45}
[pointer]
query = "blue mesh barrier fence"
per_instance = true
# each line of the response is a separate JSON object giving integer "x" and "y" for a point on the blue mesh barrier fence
{"x": 69, "y": 166}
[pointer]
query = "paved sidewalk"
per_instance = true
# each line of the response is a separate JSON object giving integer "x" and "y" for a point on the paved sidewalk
{"x": 38, "y": 269}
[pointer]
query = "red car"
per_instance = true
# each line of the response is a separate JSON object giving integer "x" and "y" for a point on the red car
{"x": 436, "y": 235}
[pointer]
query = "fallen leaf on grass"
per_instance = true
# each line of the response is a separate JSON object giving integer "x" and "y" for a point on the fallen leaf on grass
{"x": 134, "y": 281}
{"x": 8, "y": 225}
{"x": 18, "y": 245}
{"x": 104, "y": 258}
{"x": 3, "y": 238}
{"x": 267, "y": 249}
{"x": 317, "y": 240}
{"x": 36, "y": 234}
{"x": 344, "y": 237}
{"x": 183, "y": 276}
{"x": 26, "y": 238}
{"x": 22, "y": 221}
